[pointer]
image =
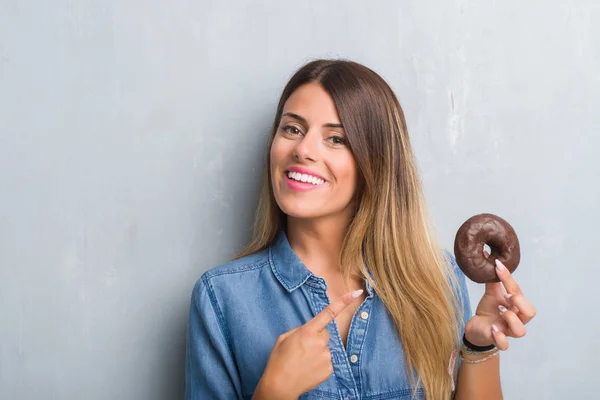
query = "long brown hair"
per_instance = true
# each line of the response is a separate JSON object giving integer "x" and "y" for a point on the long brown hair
{"x": 391, "y": 231}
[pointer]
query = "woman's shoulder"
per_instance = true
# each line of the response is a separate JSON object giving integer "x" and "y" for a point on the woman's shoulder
{"x": 234, "y": 275}
{"x": 239, "y": 266}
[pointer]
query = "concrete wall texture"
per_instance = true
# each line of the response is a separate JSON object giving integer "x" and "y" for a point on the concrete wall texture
{"x": 132, "y": 135}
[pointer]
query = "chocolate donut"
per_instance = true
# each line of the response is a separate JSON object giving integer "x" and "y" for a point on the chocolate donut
{"x": 478, "y": 231}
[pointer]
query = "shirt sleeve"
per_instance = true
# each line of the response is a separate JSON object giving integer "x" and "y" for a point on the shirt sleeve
{"x": 463, "y": 294}
{"x": 466, "y": 303}
{"x": 210, "y": 370}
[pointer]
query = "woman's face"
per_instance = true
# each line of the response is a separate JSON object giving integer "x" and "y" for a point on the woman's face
{"x": 313, "y": 172}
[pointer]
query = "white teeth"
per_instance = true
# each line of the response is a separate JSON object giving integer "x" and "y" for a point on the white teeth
{"x": 305, "y": 178}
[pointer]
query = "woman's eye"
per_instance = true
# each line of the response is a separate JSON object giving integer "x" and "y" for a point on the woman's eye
{"x": 291, "y": 129}
{"x": 338, "y": 140}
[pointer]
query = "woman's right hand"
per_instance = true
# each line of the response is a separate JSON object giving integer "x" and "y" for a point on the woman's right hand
{"x": 300, "y": 359}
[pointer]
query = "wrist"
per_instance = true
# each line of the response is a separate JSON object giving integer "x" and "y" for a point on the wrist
{"x": 474, "y": 353}
{"x": 473, "y": 357}
{"x": 466, "y": 352}
{"x": 478, "y": 347}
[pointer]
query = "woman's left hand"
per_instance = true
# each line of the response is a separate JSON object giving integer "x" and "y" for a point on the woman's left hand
{"x": 500, "y": 314}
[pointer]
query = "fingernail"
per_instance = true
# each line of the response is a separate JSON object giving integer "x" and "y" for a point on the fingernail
{"x": 499, "y": 265}
{"x": 507, "y": 296}
{"x": 502, "y": 308}
{"x": 495, "y": 328}
{"x": 356, "y": 293}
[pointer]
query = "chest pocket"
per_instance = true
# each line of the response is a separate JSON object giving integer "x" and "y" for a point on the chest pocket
{"x": 403, "y": 394}
{"x": 318, "y": 394}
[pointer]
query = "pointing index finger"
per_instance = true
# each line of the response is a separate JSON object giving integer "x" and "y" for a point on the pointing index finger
{"x": 322, "y": 319}
{"x": 507, "y": 279}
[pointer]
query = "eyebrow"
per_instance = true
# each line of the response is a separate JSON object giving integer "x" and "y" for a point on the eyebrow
{"x": 303, "y": 120}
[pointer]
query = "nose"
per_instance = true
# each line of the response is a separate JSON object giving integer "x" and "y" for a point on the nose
{"x": 306, "y": 149}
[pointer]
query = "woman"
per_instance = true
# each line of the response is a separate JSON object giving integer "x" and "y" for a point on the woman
{"x": 343, "y": 291}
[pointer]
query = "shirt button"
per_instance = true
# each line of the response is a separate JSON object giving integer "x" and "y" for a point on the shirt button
{"x": 364, "y": 315}
{"x": 353, "y": 358}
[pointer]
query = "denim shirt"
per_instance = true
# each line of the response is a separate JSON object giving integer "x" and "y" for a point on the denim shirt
{"x": 240, "y": 308}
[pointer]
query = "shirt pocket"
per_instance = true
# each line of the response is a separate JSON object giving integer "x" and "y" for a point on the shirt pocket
{"x": 318, "y": 394}
{"x": 399, "y": 394}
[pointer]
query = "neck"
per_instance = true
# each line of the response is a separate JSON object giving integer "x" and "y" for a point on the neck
{"x": 318, "y": 243}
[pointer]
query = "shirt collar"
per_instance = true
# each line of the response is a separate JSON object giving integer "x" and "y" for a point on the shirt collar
{"x": 289, "y": 269}
{"x": 286, "y": 265}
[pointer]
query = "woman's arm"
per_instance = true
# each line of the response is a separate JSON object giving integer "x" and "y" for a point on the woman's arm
{"x": 502, "y": 312}
{"x": 475, "y": 381}
{"x": 210, "y": 369}
{"x": 479, "y": 381}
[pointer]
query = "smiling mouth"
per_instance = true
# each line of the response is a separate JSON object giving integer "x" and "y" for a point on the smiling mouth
{"x": 304, "y": 178}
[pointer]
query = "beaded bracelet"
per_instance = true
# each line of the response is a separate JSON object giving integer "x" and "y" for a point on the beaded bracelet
{"x": 466, "y": 360}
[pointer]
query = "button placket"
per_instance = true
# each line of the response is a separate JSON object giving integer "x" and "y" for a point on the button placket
{"x": 356, "y": 338}
{"x": 343, "y": 375}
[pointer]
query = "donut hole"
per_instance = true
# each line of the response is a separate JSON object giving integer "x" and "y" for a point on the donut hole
{"x": 487, "y": 248}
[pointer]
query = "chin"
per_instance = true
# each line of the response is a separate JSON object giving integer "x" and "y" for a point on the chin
{"x": 300, "y": 210}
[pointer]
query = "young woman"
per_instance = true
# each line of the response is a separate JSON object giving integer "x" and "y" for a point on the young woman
{"x": 343, "y": 291}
